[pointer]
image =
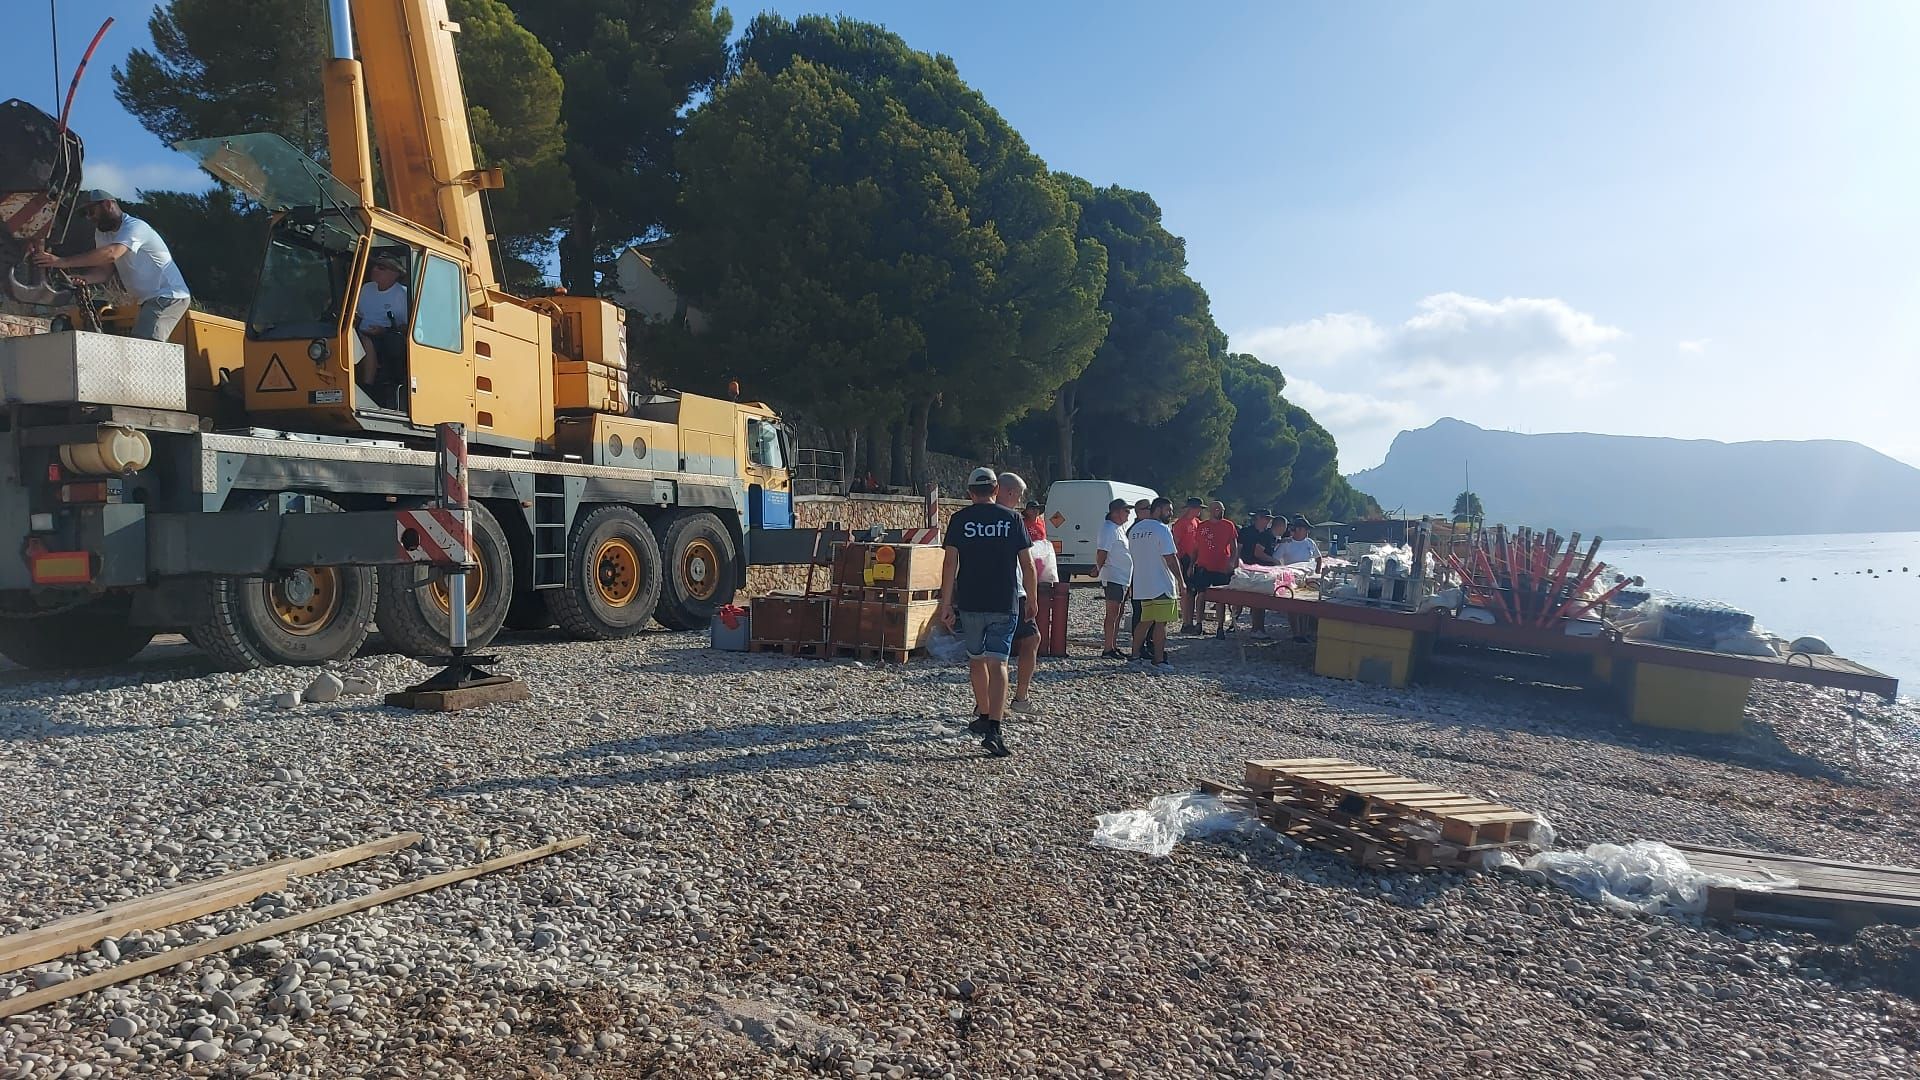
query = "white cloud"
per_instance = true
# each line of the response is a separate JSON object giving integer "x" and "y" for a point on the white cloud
{"x": 1348, "y": 410}
{"x": 127, "y": 180}
{"x": 1695, "y": 345}
{"x": 1456, "y": 354}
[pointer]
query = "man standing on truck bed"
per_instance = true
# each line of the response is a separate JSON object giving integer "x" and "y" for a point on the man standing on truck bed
{"x": 125, "y": 243}
{"x": 986, "y": 544}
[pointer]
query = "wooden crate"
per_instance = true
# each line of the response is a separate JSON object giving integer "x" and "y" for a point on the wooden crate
{"x": 848, "y": 623}
{"x": 906, "y": 567}
{"x": 800, "y": 619}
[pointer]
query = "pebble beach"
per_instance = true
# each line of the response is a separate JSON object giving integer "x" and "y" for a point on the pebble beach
{"x": 807, "y": 868}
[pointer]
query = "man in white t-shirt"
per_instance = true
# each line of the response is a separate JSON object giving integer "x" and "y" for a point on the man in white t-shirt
{"x": 126, "y": 245}
{"x": 1026, "y": 636}
{"x": 380, "y": 316}
{"x": 1113, "y": 562}
{"x": 1156, "y": 578}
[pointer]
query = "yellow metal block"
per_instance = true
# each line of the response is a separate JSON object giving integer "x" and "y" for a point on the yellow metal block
{"x": 1603, "y": 670}
{"x": 1689, "y": 700}
{"x": 1374, "y": 654}
{"x": 590, "y": 330}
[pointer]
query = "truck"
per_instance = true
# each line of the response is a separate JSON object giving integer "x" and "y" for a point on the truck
{"x": 247, "y": 485}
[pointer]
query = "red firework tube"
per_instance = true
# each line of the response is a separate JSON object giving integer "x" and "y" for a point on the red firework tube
{"x": 1555, "y": 593}
{"x": 1601, "y": 599}
{"x": 1499, "y": 602}
{"x": 1581, "y": 586}
{"x": 67, "y": 109}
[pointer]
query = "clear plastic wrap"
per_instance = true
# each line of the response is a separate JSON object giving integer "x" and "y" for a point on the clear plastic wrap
{"x": 945, "y": 646}
{"x": 1168, "y": 819}
{"x": 1644, "y": 875}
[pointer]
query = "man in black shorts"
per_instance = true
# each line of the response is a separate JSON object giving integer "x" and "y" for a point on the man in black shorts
{"x": 1257, "y": 544}
{"x": 1113, "y": 562}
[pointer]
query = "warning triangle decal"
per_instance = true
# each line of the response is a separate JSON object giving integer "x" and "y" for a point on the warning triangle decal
{"x": 275, "y": 378}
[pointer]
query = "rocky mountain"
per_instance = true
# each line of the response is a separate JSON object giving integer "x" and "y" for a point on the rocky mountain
{"x": 1628, "y": 487}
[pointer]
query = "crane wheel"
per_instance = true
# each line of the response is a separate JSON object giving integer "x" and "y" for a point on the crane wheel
{"x": 93, "y": 635}
{"x": 297, "y": 617}
{"x": 415, "y": 610}
{"x": 702, "y": 570}
{"x": 613, "y": 577}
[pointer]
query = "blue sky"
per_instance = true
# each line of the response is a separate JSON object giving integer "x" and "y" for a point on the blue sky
{"x": 1699, "y": 220}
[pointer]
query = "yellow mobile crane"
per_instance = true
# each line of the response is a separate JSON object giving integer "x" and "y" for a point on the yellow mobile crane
{"x": 271, "y": 541}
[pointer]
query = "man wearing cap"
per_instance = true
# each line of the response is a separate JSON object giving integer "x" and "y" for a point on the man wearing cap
{"x": 123, "y": 243}
{"x": 1298, "y": 548}
{"x": 1186, "y": 539}
{"x": 380, "y": 317}
{"x": 1113, "y": 562}
{"x": 986, "y": 545}
{"x": 1156, "y": 582}
{"x": 1026, "y": 637}
{"x": 1257, "y": 543}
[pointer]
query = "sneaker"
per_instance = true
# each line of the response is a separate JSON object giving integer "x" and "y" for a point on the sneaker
{"x": 1024, "y": 705}
{"x": 980, "y": 725}
{"x": 1164, "y": 667}
{"x": 993, "y": 743}
{"x": 1113, "y": 654}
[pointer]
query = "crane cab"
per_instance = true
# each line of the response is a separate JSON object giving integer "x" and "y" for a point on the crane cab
{"x": 365, "y": 322}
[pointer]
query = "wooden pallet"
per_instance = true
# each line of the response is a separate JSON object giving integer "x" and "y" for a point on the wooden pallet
{"x": 1379, "y": 844}
{"x": 1348, "y": 790}
{"x": 813, "y": 650}
{"x": 1829, "y": 897}
{"x": 878, "y": 594}
{"x": 870, "y": 652}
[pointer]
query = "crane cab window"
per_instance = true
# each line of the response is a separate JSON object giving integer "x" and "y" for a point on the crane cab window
{"x": 765, "y": 447}
{"x": 382, "y": 312}
{"x": 441, "y": 322}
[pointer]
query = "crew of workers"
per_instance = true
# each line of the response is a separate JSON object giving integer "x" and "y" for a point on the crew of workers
{"x": 1146, "y": 556}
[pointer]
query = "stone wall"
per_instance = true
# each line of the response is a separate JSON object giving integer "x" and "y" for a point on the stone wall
{"x": 854, "y": 511}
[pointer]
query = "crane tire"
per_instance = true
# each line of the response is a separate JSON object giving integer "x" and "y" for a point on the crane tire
{"x": 299, "y": 618}
{"x": 702, "y": 570}
{"x": 412, "y": 615}
{"x": 613, "y": 577}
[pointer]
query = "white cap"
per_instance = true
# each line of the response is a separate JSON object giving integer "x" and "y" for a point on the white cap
{"x": 983, "y": 477}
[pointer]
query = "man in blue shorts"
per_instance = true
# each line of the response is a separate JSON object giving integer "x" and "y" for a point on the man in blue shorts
{"x": 986, "y": 546}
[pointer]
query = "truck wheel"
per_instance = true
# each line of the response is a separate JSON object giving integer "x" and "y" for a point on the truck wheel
{"x": 702, "y": 571}
{"x": 94, "y": 634}
{"x": 298, "y": 617}
{"x": 415, "y": 608}
{"x": 613, "y": 577}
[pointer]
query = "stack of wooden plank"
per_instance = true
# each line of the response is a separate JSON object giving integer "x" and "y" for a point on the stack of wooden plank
{"x": 1379, "y": 819}
{"x": 1828, "y": 896}
{"x": 880, "y": 606}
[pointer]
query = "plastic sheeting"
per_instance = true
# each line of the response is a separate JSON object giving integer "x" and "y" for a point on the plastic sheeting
{"x": 1168, "y": 819}
{"x": 1266, "y": 580}
{"x": 1644, "y": 875}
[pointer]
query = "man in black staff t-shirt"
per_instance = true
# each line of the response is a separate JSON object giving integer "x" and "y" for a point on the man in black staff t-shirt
{"x": 986, "y": 545}
{"x": 1257, "y": 545}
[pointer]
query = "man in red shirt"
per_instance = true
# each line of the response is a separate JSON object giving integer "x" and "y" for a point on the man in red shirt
{"x": 1216, "y": 554}
{"x": 1186, "y": 537}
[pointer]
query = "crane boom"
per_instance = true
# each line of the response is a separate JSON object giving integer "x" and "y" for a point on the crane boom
{"x": 411, "y": 81}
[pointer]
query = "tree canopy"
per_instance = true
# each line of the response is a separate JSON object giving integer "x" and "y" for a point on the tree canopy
{"x": 850, "y": 206}
{"x": 630, "y": 69}
{"x": 1466, "y": 507}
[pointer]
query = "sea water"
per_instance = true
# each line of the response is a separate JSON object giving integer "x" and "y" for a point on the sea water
{"x": 1860, "y": 591}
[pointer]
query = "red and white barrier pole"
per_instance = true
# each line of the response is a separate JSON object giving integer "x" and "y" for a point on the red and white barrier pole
{"x": 451, "y": 480}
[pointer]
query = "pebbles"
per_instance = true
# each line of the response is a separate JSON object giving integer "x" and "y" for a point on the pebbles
{"x": 807, "y": 868}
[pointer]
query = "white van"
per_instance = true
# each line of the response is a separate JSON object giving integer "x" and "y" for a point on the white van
{"x": 1075, "y": 509}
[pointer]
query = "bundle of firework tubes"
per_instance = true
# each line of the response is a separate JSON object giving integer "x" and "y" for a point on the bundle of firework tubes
{"x": 1528, "y": 578}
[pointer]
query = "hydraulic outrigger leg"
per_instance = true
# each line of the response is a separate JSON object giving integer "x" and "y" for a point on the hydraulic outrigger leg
{"x": 461, "y": 683}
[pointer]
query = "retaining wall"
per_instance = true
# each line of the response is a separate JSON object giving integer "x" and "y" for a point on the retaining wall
{"x": 854, "y": 511}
